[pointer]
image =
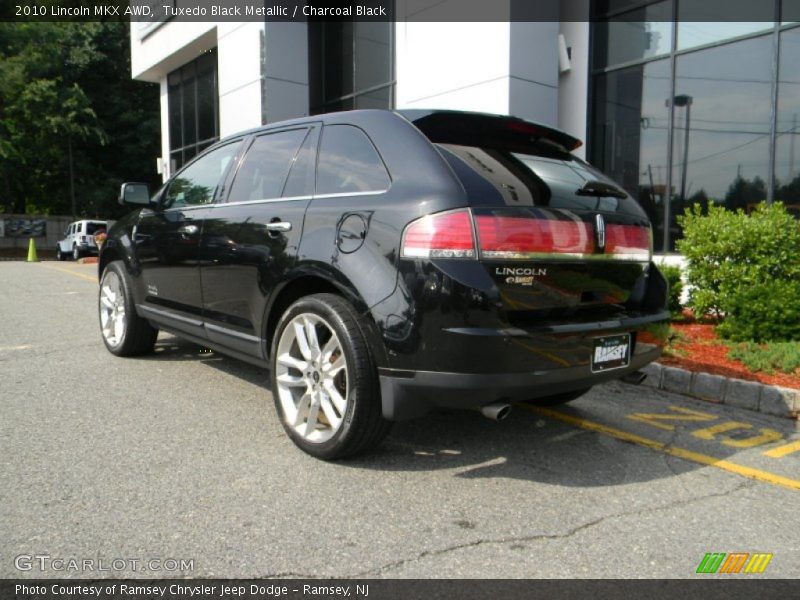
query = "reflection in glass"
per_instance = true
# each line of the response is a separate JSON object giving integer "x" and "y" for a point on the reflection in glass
{"x": 197, "y": 183}
{"x": 691, "y": 34}
{"x": 698, "y": 21}
{"x": 787, "y": 143}
{"x": 721, "y": 127}
{"x": 347, "y": 62}
{"x": 630, "y": 134}
{"x": 192, "y": 107}
{"x": 790, "y": 11}
{"x": 348, "y": 162}
{"x": 641, "y": 33}
{"x": 266, "y": 166}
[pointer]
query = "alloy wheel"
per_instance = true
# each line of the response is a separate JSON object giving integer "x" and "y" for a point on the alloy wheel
{"x": 112, "y": 309}
{"x": 311, "y": 377}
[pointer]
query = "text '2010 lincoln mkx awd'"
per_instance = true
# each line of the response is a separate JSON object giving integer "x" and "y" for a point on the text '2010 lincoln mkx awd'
{"x": 385, "y": 263}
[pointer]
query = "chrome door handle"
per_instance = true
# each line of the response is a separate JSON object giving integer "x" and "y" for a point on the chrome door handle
{"x": 189, "y": 229}
{"x": 281, "y": 226}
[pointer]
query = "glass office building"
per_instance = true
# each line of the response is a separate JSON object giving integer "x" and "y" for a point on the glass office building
{"x": 687, "y": 112}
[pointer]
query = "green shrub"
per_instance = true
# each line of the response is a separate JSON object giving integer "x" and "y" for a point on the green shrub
{"x": 764, "y": 311}
{"x": 746, "y": 268}
{"x": 780, "y": 356}
{"x": 672, "y": 274}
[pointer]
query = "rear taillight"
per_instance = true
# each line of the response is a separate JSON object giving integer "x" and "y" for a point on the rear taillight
{"x": 629, "y": 242}
{"x": 443, "y": 235}
{"x": 529, "y": 237}
{"x": 544, "y": 234}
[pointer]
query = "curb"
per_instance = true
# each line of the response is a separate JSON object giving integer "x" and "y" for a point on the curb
{"x": 750, "y": 395}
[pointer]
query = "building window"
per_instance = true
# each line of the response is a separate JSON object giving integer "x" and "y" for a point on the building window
{"x": 787, "y": 143}
{"x": 351, "y": 65}
{"x": 193, "y": 109}
{"x": 704, "y": 92}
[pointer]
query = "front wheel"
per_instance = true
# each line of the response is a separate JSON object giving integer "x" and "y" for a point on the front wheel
{"x": 324, "y": 379}
{"x": 59, "y": 254}
{"x": 124, "y": 332}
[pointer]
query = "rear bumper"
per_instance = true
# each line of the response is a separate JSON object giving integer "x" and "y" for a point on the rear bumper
{"x": 411, "y": 394}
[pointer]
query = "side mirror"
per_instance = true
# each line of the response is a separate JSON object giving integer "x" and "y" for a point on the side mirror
{"x": 134, "y": 194}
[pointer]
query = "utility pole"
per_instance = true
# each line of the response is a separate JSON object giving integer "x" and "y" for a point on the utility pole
{"x": 686, "y": 101}
{"x": 793, "y": 133}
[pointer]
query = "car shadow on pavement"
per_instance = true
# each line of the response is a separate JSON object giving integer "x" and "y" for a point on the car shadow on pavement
{"x": 525, "y": 446}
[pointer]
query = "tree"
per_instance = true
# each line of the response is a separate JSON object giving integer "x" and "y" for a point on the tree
{"x": 72, "y": 122}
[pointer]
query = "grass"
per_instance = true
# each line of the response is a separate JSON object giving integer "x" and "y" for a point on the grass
{"x": 769, "y": 357}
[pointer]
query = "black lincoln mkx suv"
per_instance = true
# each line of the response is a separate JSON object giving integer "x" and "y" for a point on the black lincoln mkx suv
{"x": 384, "y": 263}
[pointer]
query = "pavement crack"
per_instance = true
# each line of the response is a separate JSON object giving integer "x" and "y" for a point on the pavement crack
{"x": 546, "y": 536}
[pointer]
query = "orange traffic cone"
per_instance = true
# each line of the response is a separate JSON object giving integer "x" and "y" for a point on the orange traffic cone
{"x": 32, "y": 257}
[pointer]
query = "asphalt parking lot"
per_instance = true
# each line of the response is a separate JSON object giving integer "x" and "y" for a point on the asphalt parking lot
{"x": 179, "y": 456}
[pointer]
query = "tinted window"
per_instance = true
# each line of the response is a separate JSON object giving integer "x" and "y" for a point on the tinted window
{"x": 301, "y": 177}
{"x": 197, "y": 183}
{"x": 348, "y": 162}
{"x": 92, "y": 228}
{"x": 266, "y": 165}
{"x": 524, "y": 179}
{"x": 638, "y": 34}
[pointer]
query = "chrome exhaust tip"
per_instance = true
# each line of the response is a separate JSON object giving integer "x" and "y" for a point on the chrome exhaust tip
{"x": 634, "y": 378}
{"x": 497, "y": 411}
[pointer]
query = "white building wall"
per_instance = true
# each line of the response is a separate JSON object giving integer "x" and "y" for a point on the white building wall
{"x": 505, "y": 68}
{"x": 534, "y": 71}
{"x": 285, "y": 71}
{"x": 462, "y": 66}
{"x": 573, "y": 86}
{"x": 239, "y": 64}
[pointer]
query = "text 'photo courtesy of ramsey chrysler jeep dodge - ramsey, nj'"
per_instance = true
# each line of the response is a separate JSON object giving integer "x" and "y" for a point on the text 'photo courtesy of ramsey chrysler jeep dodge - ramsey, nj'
{"x": 383, "y": 263}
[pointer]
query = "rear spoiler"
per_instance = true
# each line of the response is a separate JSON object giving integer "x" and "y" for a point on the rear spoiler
{"x": 457, "y": 127}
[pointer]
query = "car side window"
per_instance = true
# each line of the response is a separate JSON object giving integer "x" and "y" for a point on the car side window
{"x": 348, "y": 162}
{"x": 301, "y": 178}
{"x": 197, "y": 184}
{"x": 266, "y": 165}
{"x": 80, "y": 227}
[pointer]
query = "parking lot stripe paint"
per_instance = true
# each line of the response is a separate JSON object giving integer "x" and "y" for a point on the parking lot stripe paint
{"x": 690, "y": 455}
{"x": 688, "y": 415}
{"x": 767, "y": 436}
{"x": 782, "y": 451}
{"x": 71, "y": 272}
{"x": 709, "y": 432}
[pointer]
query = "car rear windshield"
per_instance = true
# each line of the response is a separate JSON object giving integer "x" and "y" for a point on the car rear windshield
{"x": 92, "y": 228}
{"x": 525, "y": 163}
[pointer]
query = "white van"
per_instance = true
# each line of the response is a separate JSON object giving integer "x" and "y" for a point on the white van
{"x": 79, "y": 239}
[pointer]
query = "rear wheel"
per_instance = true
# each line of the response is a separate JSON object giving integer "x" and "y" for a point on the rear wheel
{"x": 557, "y": 399}
{"x": 324, "y": 379}
{"x": 124, "y": 332}
{"x": 76, "y": 254}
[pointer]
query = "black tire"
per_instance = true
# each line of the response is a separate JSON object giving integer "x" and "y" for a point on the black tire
{"x": 557, "y": 399}
{"x": 137, "y": 335}
{"x": 76, "y": 253}
{"x": 362, "y": 424}
{"x": 59, "y": 254}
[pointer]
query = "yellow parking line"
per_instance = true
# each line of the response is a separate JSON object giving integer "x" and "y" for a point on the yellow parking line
{"x": 782, "y": 451}
{"x": 71, "y": 272}
{"x": 703, "y": 459}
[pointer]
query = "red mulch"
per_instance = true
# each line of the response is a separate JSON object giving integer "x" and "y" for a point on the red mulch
{"x": 700, "y": 349}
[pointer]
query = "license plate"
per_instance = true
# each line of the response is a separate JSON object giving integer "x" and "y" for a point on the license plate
{"x": 612, "y": 352}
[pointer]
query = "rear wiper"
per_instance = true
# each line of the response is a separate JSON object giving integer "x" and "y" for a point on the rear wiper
{"x": 600, "y": 188}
